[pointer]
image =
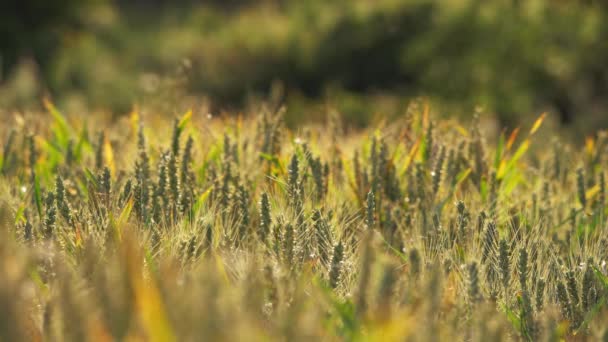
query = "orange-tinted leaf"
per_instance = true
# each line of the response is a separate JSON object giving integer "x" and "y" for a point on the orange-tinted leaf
{"x": 512, "y": 138}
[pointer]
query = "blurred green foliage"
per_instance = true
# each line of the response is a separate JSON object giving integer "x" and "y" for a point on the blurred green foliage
{"x": 515, "y": 58}
{"x": 37, "y": 28}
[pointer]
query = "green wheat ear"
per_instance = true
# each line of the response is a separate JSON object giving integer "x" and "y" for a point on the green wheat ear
{"x": 581, "y": 187}
{"x": 522, "y": 268}
{"x": 295, "y": 190}
{"x": 185, "y": 176}
{"x": 420, "y": 183}
{"x": 564, "y": 301}
{"x": 572, "y": 288}
{"x": 243, "y": 209}
{"x": 177, "y": 131}
{"x": 106, "y": 181}
{"x": 503, "y": 262}
{"x": 27, "y": 231}
{"x": 437, "y": 170}
{"x": 174, "y": 185}
{"x": 462, "y": 221}
{"x": 336, "y": 265}
{"x": 62, "y": 204}
{"x": 429, "y": 140}
{"x": 588, "y": 288}
{"x": 101, "y": 137}
{"x": 316, "y": 167}
{"x": 141, "y": 190}
{"x": 528, "y": 325}
{"x": 265, "y": 218}
{"x": 375, "y": 167}
{"x": 225, "y": 185}
{"x": 288, "y": 245}
{"x": 489, "y": 241}
{"x": 323, "y": 236}
{"x": 473, "y": 283}
{"x": 50, "y": 216}
{"x": 540, "y": 294}
{"x": 370, "y": 210}
{"x": 358, "y": 174}
{"x": 7, "y": 157}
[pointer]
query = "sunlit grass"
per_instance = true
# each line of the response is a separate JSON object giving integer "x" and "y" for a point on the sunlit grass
{"x": 258, "y": 232}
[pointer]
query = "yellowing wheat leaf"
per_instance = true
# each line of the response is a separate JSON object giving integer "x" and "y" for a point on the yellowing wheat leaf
{"x": 589, "y": 145}
{"x": 134, "y": 121}
{"x": 410, "y": 157}
{"x": 184, "y": 120}
{"x": 463, "y": 131}
{"x": 425, "y": 113}
{"x": 152, "y": 311}
{"x": 109, "y": 154}
{"x": 148, "y": 299}
{"x": 592, "y": 192}
{"x": 538, "y": 123}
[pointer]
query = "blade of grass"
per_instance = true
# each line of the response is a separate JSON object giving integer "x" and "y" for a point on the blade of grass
{"x": 109, "y": 155}
{"x": 538, "y": 123}
{"x": 38, "y": 196}
{"x": 184, "y": 120}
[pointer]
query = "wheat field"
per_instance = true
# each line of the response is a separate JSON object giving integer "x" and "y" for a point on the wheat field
{"x": 149, "y": 228}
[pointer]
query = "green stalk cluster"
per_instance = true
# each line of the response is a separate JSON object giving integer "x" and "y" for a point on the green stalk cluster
{"x": 265, "y": 218}
{"x": 336, "y": 265}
